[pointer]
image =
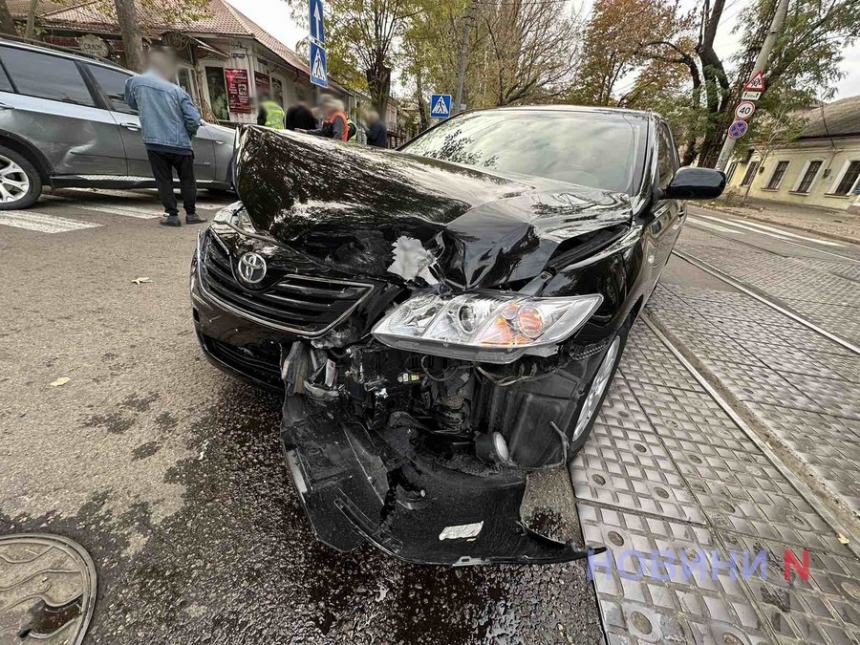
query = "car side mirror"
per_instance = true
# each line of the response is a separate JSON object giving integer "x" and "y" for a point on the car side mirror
{"x": 695, "y": 183}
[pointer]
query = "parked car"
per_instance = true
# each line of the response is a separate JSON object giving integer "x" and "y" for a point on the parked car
{"x": 444, "y": 319}
{"x": 64, "y": 122}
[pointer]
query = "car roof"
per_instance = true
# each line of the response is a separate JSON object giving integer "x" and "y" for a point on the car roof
{"x": 56, "y": 50}
{"x": 597, "y": 109}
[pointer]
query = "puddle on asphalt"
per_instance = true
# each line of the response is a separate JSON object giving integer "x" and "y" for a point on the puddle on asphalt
{"x": 238, "y": 561}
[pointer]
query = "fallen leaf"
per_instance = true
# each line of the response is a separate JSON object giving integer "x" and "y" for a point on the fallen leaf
{"x": 141, "y": 280}
{"x": 842, "y": 539}
{"x": 60, "y": 381}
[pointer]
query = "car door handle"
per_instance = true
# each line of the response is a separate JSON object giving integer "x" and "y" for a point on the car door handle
{"x": 134, "y": 127}
{"x": 219, "y": 143}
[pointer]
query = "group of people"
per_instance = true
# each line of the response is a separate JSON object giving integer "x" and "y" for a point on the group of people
{"x": 329, "y": 120}
{"x": 169, "y": 120}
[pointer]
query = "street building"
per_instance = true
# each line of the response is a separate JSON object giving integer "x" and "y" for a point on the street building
{"x": 226, "y": 58}
{"x": 820, "y": 169}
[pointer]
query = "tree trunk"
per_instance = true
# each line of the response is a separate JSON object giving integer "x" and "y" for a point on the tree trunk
{"x": 379, "y": 85}
{"x": 423, "y": 120}
{"x": 7, "y": 25}
{"x": 132, "y": 37}
{"x": 30, "y": 31}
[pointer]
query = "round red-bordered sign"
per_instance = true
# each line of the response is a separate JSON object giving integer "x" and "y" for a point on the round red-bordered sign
{"x": 744, "y": 110}
{"x": 738, "y": 129}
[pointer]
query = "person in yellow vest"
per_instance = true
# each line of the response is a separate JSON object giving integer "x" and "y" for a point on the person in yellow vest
{"x": 271, "y": 114}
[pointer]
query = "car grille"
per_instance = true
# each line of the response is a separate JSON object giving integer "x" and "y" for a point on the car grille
{"x": 294, "y": 303}
{"x": 263, "y": 367}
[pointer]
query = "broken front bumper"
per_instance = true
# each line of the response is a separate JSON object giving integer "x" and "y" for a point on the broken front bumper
{"x": 358, "y": 485}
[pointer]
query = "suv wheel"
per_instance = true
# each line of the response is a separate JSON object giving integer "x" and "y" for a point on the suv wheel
{"x": 20, "y": 184}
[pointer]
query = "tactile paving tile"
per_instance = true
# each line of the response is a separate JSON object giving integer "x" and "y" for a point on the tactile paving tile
{"x": 783, "y": 358}
{"x": 682, "y": 417}
{"x": 647, "y": 361}
{"x": 716, "y": 488}
{"x": 631, "y": 469}
{"x": 620, "y": 409}
{"x": 825, "y": 608}
{"x": 838, "y": 398}
{"x": 647, "y": 595}
{"x": 761, "y": 385}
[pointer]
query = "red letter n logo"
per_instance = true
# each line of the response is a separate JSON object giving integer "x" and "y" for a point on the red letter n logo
{"x": 791, "y": 562}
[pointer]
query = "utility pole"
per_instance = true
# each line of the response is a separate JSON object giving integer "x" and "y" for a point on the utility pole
{"x": 464, "y": 57}
{"x": 760, "y": 65}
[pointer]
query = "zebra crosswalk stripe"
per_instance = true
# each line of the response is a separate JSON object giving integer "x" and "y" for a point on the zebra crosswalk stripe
{"x": 41, "y": 222}
{"x": 123, "y": 210}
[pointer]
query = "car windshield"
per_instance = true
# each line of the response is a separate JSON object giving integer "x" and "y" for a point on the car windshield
{"x": 600, "y": 150}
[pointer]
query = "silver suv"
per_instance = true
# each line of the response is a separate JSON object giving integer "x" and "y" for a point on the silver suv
{"x": 64, "y": 123}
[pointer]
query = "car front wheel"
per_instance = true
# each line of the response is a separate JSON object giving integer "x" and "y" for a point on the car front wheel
{"x": 20, "y": 184}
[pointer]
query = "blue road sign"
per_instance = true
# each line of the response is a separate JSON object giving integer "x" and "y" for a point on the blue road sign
{"x": 738, "y": 129}
{"x": 319, "y": 75}
{"x": 317, "y": 21}
{"x": 440, "y": 106}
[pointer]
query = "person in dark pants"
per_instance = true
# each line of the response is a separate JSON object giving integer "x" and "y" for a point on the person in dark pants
{"x": 377, "y": 133}
{"x": 169, "y": 121}
{"x": 299, "y": 117}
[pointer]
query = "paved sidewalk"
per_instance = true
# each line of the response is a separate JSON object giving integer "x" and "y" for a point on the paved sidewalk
{"x": 835, "y": 224}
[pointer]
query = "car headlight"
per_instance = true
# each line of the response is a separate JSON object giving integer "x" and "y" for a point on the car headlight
{"x": 484, "y": 328}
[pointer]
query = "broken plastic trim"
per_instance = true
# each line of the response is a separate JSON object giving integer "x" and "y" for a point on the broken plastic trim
{"x": 356, "y": 485}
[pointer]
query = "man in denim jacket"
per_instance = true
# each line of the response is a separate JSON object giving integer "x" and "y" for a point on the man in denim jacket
{"x": 169, "y": 121}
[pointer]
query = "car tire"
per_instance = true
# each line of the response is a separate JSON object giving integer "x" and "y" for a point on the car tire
{"x": 20, "y": 183}
{"x": 606, "y": 373}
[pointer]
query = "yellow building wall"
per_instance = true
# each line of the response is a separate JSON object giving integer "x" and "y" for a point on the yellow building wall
{"x": 835, "y": 158}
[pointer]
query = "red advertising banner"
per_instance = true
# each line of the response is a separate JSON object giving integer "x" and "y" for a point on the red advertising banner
{"x": 263, "y": 82}
{"x": 238, "y": 98}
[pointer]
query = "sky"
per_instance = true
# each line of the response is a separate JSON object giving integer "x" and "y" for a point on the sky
{"x": 275, "y": 17}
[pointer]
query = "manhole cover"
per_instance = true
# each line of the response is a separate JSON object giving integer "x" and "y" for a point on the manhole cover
{"x": 49, "y": 590}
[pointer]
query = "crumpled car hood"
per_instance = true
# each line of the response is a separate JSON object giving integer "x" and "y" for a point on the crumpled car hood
{"x": 347, "y": 206}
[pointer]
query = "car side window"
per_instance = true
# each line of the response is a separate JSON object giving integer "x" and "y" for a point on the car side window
{"x": 5, "y": 83}
{"x": 667, "y": 156}
{"x": 112, "y": 84}
{"x": 45, "y": 76}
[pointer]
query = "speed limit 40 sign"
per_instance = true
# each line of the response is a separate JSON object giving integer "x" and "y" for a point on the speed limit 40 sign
{"x": 744, "y": 110}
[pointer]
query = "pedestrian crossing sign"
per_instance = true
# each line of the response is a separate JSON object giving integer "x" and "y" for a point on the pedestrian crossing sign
{"x": 319, "y": 75}
{"x": 440, "y": 106}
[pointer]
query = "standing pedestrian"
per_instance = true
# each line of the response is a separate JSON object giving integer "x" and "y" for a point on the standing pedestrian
{"x": 271, "y": 114}
{"x": 299, "y": 117}
{"x": 377, "y": 132}
{"x": 335, "y": 122}
{"x": 169, "y": 121}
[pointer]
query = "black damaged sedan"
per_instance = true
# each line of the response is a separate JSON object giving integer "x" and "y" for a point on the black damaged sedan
{"x": 444, "y": 319}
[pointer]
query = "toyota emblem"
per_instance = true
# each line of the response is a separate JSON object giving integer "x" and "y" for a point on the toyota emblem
{"x": 252, "y": 268}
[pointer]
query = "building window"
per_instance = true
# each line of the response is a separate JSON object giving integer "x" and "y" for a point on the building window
{"x": 731, "y": 172}
{"x": 809, "y": 176}
{"x": 849, "y": 179}
{"x": 778, "y": 174}
{"x": 217, "y": 87}
{"x": 752, "y": 169}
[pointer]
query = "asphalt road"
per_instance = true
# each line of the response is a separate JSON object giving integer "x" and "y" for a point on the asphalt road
{"x": 170, "y": 474}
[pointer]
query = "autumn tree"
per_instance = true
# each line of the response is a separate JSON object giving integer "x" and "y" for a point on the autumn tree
{"x": 364, "y": 36}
